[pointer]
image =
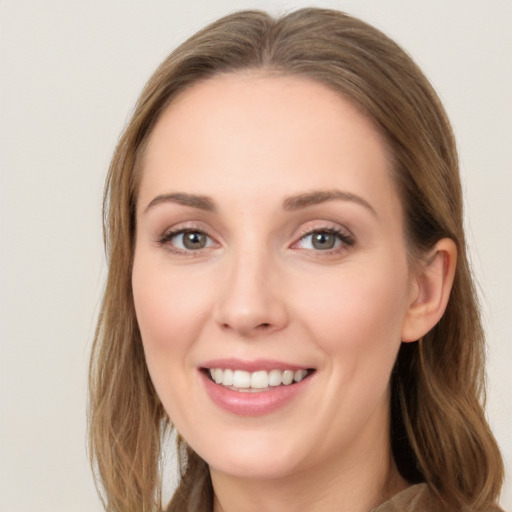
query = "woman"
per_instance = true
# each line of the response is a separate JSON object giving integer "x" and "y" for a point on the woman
{"x": 288, "y": 285}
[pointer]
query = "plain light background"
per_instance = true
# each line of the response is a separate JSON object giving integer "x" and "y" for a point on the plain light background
{"x": 70, "y": 74}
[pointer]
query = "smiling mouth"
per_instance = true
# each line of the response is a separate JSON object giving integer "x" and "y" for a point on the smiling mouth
{"x": 256, "y": 382}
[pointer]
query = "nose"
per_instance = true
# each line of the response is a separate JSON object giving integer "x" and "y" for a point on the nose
{"x": 252, "y": 300}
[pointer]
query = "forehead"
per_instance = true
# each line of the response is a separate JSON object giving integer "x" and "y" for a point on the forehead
{"x": 254, "y": 99}
{"x": 256, "y": 133}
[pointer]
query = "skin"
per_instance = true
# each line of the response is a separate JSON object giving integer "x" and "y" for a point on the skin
{"x": 259, "y": 288}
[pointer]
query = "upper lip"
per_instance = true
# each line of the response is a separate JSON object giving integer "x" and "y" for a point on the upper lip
{"x": 253, "y": 365}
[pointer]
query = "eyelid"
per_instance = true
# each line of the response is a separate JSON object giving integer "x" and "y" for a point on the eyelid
{"x": 345, "y": 236}
{"x": 316, "y": 226}
{"x": 165, "y": 238}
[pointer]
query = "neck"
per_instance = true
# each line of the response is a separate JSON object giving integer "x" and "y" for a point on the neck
{"x": 360, "y": 482}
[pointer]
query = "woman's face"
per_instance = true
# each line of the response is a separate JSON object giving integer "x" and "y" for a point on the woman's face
{"x": 269, "y": 248}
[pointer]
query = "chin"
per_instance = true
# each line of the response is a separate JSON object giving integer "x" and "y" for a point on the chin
{"x": 258, "y": 459}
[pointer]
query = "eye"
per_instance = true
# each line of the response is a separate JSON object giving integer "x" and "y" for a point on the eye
{"x": 187, "y": 240}
{"x": 324, "y": 240}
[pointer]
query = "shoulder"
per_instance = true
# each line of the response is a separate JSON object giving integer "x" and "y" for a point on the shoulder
{"x": 416, "y": 498}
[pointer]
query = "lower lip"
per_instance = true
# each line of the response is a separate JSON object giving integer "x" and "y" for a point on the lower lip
{"x": 252, "y": 403}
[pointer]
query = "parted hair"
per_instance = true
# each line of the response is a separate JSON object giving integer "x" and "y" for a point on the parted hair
{"x": 439, "y": 434}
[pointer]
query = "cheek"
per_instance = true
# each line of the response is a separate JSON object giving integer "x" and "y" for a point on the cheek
{"x": 166, "y": 305}
{"x": 169, "y": 309}
{"x": 355, "y": 319}
{"x": 356, "y": 316}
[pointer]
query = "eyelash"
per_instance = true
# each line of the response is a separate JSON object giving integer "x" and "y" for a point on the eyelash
{"x": 346, "y": 240}
{"x": 167, "y": 238}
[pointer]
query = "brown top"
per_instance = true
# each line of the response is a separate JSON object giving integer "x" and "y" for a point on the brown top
{"x": 413, "y": 499}
{"x": 416, "y": 498}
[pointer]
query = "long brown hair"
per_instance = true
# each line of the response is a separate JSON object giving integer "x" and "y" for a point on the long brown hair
{"x": 439, "y": 433}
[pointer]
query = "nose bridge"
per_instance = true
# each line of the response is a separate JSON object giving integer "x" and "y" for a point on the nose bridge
{"x": 250, "y": 302}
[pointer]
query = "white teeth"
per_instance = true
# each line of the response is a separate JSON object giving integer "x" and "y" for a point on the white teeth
{"x": 227, "y": 377}
{"x": 275, "y": 377}
{"x": 261, "y": 379}
{"x": 218, "y": 376}
{"x": 299, "y": 375}
{"x": 288, "y": 377}
{"x": 241, "y": 379}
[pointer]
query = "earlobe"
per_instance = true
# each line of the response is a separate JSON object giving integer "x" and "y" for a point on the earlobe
{"x": 432, "y": 286}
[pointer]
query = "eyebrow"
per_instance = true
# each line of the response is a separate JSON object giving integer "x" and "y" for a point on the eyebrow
{"x": 321, "y": 196}
{"x": 192, "y": 200}
{"x": 291, "y": 203}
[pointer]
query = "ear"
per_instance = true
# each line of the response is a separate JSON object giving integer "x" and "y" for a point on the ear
{"x": 430, "y": 290}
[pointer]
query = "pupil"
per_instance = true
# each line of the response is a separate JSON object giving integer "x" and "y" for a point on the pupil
{"x": 194, "y": 240}
{"x": 323, "y": 241}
